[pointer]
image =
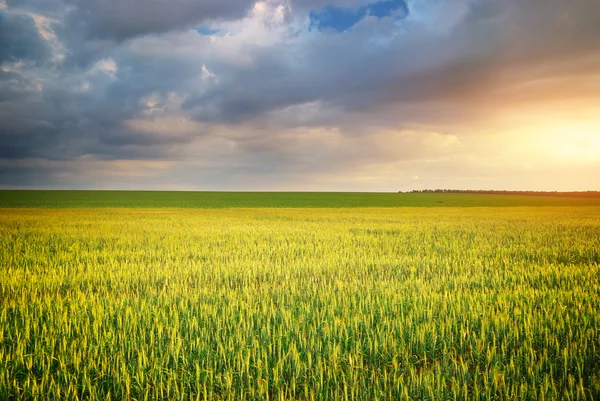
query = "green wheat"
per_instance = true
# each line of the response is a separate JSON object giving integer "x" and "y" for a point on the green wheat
{"x": 300, "y": 304}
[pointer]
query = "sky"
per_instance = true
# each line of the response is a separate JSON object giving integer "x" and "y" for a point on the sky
{"x": 300, "y": 95}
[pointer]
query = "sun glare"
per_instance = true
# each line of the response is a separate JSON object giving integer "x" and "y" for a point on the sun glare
{"x": 563, "y": 141}
{"x": 574, "y": 142}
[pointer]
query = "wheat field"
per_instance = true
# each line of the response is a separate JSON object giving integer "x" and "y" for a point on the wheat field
{"x": 300, "y": 304}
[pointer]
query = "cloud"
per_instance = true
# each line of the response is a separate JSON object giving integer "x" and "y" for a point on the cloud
{"x": 240, "y": 92}
{"x": 20, "y": 39}
{"x": 123, "y": 19}
{"x": 13, "y": 86}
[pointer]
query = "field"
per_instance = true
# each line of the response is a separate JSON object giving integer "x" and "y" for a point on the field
{"x": 299, "y": 303}
{"x": 221, "y": 200}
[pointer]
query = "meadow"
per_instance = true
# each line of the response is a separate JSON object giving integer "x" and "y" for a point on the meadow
{"x": 374, "y": 303}
{"x": 223, "y": 200}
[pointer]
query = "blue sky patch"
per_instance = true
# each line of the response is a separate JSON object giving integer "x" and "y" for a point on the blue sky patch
{"x": 205, "y": 31}
{"x": 341, "y": 19}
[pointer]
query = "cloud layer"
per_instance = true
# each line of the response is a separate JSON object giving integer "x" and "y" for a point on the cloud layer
{"x": 300, "y": 94}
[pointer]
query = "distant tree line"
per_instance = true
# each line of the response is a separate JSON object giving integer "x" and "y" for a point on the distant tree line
{"x": 576, "y": 194}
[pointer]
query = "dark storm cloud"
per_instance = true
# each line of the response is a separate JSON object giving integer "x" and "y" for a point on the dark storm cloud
{"x": 20, "y": 39}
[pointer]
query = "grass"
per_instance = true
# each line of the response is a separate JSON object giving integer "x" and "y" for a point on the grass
{"x": 307, "y": 304}
{"x": 151, "y": 199}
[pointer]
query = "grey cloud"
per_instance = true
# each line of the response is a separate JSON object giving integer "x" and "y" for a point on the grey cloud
{"x": 20, "y": 138}
{"x": 63, "y": 121}
{"x": 123, "y": 19}
{"x": 46, "y": 7}
{"x": 330, "y": 68}
{"x": 248, "y": 92}
{"x": 338, "y": 149}
{"x": 470, "y": 65}
{"x": 29, "y": 176}
{"x": 90, "y": 29}
{"x": 20, "y": 39}
{"x": 118, "y": 136}
{"x": 13, "y": 86}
